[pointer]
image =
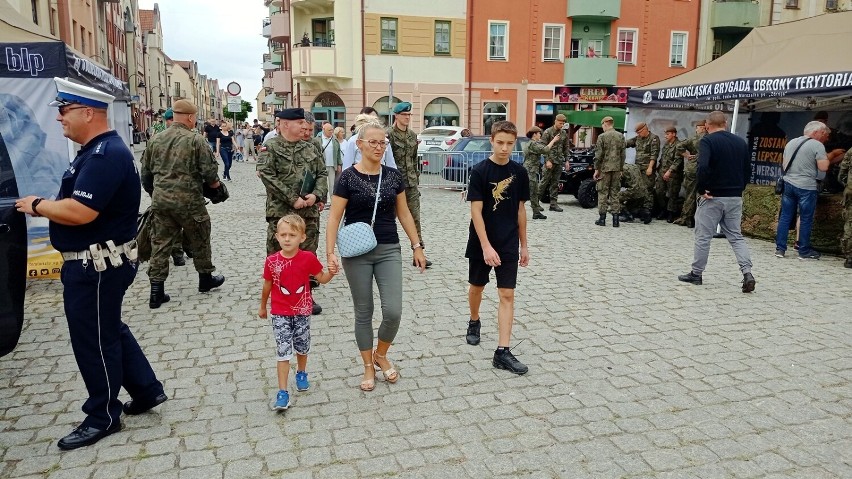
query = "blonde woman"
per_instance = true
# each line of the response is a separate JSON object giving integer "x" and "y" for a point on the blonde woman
{"x": 225, "y": 147}
{"x": 355, "y": 197}
{"x": 340, "y": 134}
{"x": 352, "y": 155}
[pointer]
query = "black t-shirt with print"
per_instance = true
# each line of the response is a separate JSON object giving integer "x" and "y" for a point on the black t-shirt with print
{"x": 501, "y": 188}
{"x": 360, "y": 191}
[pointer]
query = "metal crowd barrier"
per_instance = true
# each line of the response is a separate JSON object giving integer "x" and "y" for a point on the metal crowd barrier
{"x": 448, "y": 169}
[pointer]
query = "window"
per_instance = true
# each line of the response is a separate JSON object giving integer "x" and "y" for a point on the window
{"x": 389, "y": 34}
{"x": 791, "y": 4}
{"x": 442, "y": 37}
{"x": 492, "y": 112}
{"x": 323, "y": 29}
{"x": 35, "y": 11}
{"x": 831, "y": 5}
{"x": 575, "y": 48}
{"x": 553, "y": 43}
{"x": 678, "y": 50}
{"x": 595, "y": 48}
{"x": 441, "y": 111}
{"x": 53, "y": 21}
{"x": 626, "y": 49}
{"x": 717, "y": 48}
{"x": 498, "y": 38}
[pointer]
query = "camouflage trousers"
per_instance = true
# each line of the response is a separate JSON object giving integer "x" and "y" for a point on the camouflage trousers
{"x": 311, "y": 232}
{"x": 166, "y": 229}
{"x": 633, "y": 199}
{"x": 550, "y": 181}
{"x": 533, "y": 170}
{"x": 690, "y": 201}
{"x": 667, "y": 192}
{"x": 846, "y": 239}
{"x": 609, "y": 187}
{"x": 412, "y": 197}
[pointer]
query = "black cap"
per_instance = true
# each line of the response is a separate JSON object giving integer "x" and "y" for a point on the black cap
{"x": 291, "y": 114}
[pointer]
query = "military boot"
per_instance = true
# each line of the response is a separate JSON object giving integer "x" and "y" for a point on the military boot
{"x": 615, "y": 220}
{"x": 646, "y": 216}
{"x": 848, "y": 262}
{"x": 601, "y": 221}
{"x": 625, "y": 217}
{"x": 206, "y": 281}
{"x": 158, "y": 294}
{"x": 178, "y": 259}
{"x": 662, "y": 215}
{"x": 670, "y": 216}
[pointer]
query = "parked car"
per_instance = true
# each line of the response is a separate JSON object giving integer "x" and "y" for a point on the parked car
{"x": 13, "y": 255}
{"x": 577, "y": 178}
{"x": 469, "y": 151}
{"x": 440, "y": 138}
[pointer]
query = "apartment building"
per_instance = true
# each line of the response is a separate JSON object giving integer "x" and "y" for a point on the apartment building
{"x": 27, "y": 20}
{"x": 344, "y": 59}
{"x": 576, "y": 57}
{"x": 157, "y": 63}
{"x": 725, "y": 22}
{"x": 277, "y": 86}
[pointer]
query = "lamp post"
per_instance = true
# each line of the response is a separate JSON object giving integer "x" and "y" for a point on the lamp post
{"x": 160, "y": 96}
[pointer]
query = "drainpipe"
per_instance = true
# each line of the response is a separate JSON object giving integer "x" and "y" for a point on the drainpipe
{"x": 363, "y": 61}
{"x": 469, "y": 60}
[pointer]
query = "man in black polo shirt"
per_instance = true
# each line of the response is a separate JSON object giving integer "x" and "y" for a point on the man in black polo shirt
{"x": 211, "y": 132}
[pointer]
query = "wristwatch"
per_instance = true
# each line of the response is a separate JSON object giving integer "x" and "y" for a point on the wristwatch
{"x": 34, "y": 205}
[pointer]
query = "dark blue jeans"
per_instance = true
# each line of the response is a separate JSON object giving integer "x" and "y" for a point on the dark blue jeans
{"x": 805, "y": 201}
{"x": 226, "y": 153}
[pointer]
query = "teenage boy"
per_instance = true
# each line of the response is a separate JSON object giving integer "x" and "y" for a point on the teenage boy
{"x": 497, "y": 192}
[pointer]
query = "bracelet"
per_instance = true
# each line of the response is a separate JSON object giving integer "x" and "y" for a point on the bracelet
{"x": 416, "y": 245}
{"x": 35, "y": 204}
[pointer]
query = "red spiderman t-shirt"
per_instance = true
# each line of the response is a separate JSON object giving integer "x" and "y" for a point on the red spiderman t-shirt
{"x": 291, "y": 290}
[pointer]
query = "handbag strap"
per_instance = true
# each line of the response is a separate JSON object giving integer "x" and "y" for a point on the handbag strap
{"x": 794, "y": 155}
{"x": 375, "y": 205}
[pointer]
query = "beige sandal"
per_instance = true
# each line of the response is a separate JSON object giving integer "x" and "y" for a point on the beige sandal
{"x": 368, "y": 385}
{"x": 391, "y": 375}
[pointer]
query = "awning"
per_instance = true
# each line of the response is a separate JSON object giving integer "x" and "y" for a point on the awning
{"x": 593, "y": 118}
{"x": 271, "y": 99}
{"x": 794, "y": 65}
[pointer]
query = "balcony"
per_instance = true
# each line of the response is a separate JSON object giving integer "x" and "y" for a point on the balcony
{"x": 275, "y": 58}
{"x": 267, "y": 28}
{"x": 267, "y": 82}
{"x": 319, "y": 63}
{"x": 268, "y": 66}
{"x": 280, "y": 27}
{"x": 594, "y": 10}
{"x": 278, "y": 47}
{"x": 312, "y": 6}
{"x": 282, "y": 83}
{"x": 591, "y": 71}
{"x": 733, "y": 17}
{"x": 274, "y": 3}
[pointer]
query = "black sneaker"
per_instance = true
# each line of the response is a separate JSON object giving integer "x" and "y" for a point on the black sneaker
{"x": 690, "y": 278}
{"x": 473, "y": 332}
{"x": 504, "y": 359}
{"x": 748, "y": 283}
{"x": 813, "y": 255}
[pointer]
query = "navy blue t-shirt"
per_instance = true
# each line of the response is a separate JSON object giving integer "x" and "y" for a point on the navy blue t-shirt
{"x": 501, "y": 189}
{"x": 103, "y": 177}
{"x": 360, "y": 191}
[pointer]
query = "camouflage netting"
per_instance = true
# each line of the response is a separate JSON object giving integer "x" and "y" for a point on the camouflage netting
{"x": 760, "y": 218}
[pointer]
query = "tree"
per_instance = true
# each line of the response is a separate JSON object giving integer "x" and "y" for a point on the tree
{"x": 240, "y": 115}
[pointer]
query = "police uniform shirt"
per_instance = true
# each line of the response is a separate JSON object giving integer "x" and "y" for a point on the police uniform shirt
{"x": 501, "y": 189}
{"x": 103, "y": 177}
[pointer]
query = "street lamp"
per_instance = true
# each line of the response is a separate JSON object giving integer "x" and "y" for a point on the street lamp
{"x": 161, "y": 95}
{"x": 141, "y": 82}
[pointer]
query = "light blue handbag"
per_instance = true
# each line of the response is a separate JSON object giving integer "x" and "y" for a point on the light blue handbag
{"x": 358, "y": 238}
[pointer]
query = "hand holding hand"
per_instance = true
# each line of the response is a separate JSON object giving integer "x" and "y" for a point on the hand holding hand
{"x": 299, "y": 203}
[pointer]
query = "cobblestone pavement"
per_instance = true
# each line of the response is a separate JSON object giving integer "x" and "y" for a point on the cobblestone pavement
{"x": 632, "y": 374}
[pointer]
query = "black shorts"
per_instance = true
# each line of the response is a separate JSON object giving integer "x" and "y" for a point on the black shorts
{"x": 507, "y": 272}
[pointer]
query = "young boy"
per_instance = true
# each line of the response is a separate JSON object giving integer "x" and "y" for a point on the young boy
{"x": 497, "y": 192}
{"x": 286, "y": 275}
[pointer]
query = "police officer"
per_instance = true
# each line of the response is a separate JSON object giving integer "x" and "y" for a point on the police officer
{"x": 533, "y": 150}
{"x": 403, "y": 143}
{"x": 282, "y": 165}
{"x": 93, "y": 225}
{"x": 174, "y": 166}
{"x": 647, "y": 151}
{"x": 609, "y": 161}
{"x": 667, "y": 188}
{"x": 556, "y": 159}
{"x": 688, "y": 149}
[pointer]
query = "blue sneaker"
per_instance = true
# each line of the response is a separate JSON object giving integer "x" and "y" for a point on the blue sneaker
{"x": 302, "y": 383}
{"x": 282, "y": 401}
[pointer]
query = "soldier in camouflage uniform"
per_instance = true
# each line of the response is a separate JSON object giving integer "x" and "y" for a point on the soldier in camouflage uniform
{"x": 688, "y": 149}
{"x": 635, "y": 197}
{"x": 845, "y": 178}
{"x": 609, "y": 162}
{"x": 669, "y": 175}
{"x": 175, "y": 165}
{"x": 403, "y": 143}
{"x": 556, "y": 160}
{"x": 647, "y": 151}
{"x": 533, "y": 150}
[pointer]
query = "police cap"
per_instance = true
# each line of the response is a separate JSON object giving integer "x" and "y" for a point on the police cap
{"x": 402, "y": 108}
{"x": 69, "y": 93}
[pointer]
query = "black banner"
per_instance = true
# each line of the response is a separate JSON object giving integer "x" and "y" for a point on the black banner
{"x": 53, "y": 59}
{"x": 686, "y": 96}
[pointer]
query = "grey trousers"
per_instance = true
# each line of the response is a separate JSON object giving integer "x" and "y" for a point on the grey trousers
{"x": 384, "y": 264}
{"x": 727, "y": 212}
